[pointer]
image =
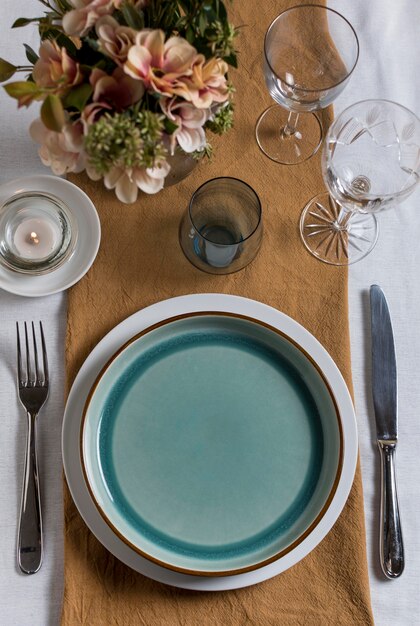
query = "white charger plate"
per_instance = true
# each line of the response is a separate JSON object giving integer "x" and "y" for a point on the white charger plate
{"x": 118, "y": 337}
{"x": 87, "y": 245}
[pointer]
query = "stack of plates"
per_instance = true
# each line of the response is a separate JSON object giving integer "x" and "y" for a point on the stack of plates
{"x": 217, "y": 442}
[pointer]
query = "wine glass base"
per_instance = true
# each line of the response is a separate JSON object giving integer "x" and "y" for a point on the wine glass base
{"x": 288, "y": 149}
{"x": 332, "y": 243}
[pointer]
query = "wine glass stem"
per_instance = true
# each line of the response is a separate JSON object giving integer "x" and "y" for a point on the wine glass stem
{"x": 289, "y": 128}
{"x": 341, "y": 223}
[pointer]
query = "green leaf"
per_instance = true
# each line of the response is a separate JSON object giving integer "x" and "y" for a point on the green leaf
{"x": 31, "y": 55}
{"x": 133, "y": 17}
{"x": 6, "y": 70}
{"x": 92, "y": 43}
{"x": 62, "y": 40}
{"x": 222, "y": 11}
{"x": 24, "y": 92}
{"x": 65, "y": 42}
{"x": 21, "y": 88}
{"x": 63, "y": 5}
{"x": 170, "y": 126}
{"x": 211, "y": 14}
{"x": 231, "y": 60}
{"x": 24, "y": 21}
{"x": 52, "y": 113}
{"x": 202, "y": 23}
{"x": 78, "y": 96}
{"x": 189, "y": 35}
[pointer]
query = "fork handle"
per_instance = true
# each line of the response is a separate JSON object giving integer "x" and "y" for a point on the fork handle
{"x": 30, "y": 525}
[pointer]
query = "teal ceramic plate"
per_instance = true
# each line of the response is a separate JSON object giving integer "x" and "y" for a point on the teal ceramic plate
{"x": 211, "y": 444}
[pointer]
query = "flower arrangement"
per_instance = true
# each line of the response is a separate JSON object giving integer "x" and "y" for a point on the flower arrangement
{"x": 126, "y": 83}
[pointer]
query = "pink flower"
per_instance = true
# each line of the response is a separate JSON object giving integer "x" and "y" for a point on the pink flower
{"x": 208, "y": 83}
{"x": 115, "y": 92}
{"x": 62, "y": 152}
{"x": 85, "y": 13}
{"x": 160, "y": 64}
{"x": 119, "y": 90}
{"x": 114, "y": 40}
{"x": 128, "y": 182}
{"x": 92, "y": 112}
{"x": 190, "y": 133}
{"x": 55, "y": 70}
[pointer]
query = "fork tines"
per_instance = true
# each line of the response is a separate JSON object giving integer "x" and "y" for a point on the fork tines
{"x": 30, "y": 372}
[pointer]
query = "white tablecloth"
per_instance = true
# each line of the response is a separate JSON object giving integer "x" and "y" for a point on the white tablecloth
{"x": 390, "y": 49}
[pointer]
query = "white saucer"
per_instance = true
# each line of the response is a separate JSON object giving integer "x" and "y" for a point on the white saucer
{"x": 89, "y": 236}
{"x": 117, "y": 337}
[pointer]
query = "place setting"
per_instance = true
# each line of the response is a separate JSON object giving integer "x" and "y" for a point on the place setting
{"x": 209, "y": 438}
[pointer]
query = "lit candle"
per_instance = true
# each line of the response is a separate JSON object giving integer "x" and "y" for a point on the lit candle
{"x": 36, "y": 238}
{"x": 36, "y": 233}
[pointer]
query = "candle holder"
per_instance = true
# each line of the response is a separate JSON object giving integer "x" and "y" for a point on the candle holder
{"x": 221, "y": 231}
{"x": 37, "y": 233}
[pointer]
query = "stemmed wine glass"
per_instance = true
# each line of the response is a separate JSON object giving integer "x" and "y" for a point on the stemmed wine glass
{"x": 310, "y": 51}
{"x": 370, "y": 162}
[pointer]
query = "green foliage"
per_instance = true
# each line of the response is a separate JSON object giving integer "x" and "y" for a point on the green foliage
{"x": 222, "y": 120}
{"x": 52, "y": 113}
{"x": 207, "y": 152}
{"x": 31, "y": 55}
{"x": 24, "y": 91}
{"x": 6, "y": 70}
{"x": 132, "y": 16}
{"x": 24, "y": 21}
{"x": 78, "y": 97}
{"x": 125, "y": 140}
{"x": 50, "y": 32}
{"x": 170, "y": 126}
{"x": 203, "y": 23}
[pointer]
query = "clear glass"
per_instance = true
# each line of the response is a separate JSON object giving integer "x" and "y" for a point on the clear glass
{"x": 37, "y": 233}
{"x": 370, "y": 162}
{"x": 221, "y": 231}
{"x": 310, "y": 52}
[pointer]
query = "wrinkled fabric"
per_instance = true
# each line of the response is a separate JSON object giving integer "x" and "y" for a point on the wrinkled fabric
{"x": 139, "y": 263}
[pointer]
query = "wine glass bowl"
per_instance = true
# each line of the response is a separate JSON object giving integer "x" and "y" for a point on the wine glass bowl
{"x": 370, "y": 162}
{"x": 310, "y": 52}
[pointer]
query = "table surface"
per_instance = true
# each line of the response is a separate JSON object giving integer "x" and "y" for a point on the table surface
{"x": 390, "y": 48}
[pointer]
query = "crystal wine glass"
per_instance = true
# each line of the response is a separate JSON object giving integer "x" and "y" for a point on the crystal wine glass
{"x": 310, "y": 51}
{"x": 370, "y": 162}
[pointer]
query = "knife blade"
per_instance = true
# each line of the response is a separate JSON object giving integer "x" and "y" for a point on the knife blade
{"x": 384, "y": 392}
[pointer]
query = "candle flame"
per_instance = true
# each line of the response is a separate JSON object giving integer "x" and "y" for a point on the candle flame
{"x": 33, "y": 238}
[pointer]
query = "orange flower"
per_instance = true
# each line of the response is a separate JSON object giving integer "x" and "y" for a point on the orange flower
{"x": 160, "y": 65}
{"x": 207, "y": 84}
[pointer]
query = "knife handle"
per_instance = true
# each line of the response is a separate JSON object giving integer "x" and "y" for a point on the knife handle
{"x": 390, "y": 536}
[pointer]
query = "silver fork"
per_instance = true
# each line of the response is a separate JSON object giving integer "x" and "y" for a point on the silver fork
{"x": 32, "y": 382}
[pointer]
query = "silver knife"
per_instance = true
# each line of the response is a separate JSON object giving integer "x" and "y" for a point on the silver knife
{"x": 384, "y": 388}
